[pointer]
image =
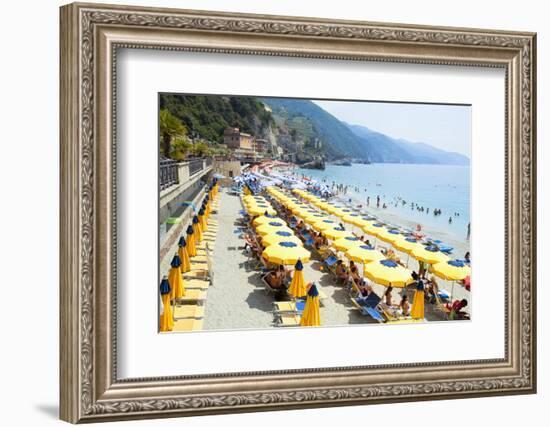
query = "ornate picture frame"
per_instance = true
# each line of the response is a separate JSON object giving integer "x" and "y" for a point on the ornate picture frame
{"x": 90, "y": 37}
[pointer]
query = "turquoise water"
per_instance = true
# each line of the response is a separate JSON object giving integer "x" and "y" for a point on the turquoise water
{"x": 430, "y": 186}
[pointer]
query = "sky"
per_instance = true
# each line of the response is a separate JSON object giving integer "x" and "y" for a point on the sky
{"x": 443, "y": 126}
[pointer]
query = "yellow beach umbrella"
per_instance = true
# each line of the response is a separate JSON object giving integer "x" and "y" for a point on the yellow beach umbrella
{"x": 184, "y": 256}
{"x": 264, "y": 219}
{"x": 286, "y": 253}
{"x": 387, "y": 272}
{"x": 389, "y": 236}
{"x": 202, "y": 220}
{"x": 373, "y": 228}
{"x": 166, "y": 320}
{"x": 324, "y": 224}
{"x": 311, "y": 315}
{"x": 451, "y": 270}
{"x": 335, "y": 233}
{"x": 313, "y": 218}
{"x": 417, "y": 309}
{"x": 297, "y": 287}
{"x": 346, "y": 243}
{"x": 272, "y": 227}
{"x": 255, "y": 210}
{"x": 364, "y": 254}
{"x": 406, "y": 244}
{"x": 197, "y": 229}
{"x": 353, "y": 218}
{"x": 280, "y": 236}
{"x": 429, "y": 254}
{"x": 191, "y": 248}
{"x": 175, "y": 278}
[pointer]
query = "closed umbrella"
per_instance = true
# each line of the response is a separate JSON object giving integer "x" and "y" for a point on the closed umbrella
{"x": 184, "y": 256}
{"x": 191, "y": 248}
{"x": 286, "y": 253}
{"x": 387, "y": 272}
{"x": 197, "y": 229}
{"x": 202, "y": 220}
{"x": 298, "y": 285}
{"x": 417, "y": 309}
{"x": 166, "y": 318}
{"x": 311, "y": 315}
{"x": 175, "y": 278}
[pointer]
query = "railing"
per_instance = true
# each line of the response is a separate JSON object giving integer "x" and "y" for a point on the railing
{"x": 173, "y": 172}
{"x": 196, "y": 166}
{"x": 168, "y": 173}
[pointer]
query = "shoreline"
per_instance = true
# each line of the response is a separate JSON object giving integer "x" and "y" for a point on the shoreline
{"x": 460, "y": 246}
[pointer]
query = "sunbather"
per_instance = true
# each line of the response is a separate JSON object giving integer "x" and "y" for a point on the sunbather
{"x": 456, "y": 310}
{"x": 341, "y": 271}
{"x": 405, "y": 306}
{"x": 365, "y": 288}
{"x": 276, "y": 278}
{"x": 388, "y": 296}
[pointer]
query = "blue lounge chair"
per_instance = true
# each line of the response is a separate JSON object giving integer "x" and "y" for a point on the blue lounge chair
{"x": 309, "y": 242}
{"x": 367, "y": 306}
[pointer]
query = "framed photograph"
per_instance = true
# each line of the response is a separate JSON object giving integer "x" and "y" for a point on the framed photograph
{"x": 267, "y": 212}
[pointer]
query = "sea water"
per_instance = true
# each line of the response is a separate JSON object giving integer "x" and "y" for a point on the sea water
{"x": 432, "y": 187}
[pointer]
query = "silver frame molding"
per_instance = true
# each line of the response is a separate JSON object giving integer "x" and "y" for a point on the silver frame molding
{"x": 90, "y": 37}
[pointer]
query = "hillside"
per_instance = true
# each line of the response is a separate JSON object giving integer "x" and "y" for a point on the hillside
{"x": 207, "y": 116}
{"x": 337, "y": 140}
{"x": 385, "y": 149}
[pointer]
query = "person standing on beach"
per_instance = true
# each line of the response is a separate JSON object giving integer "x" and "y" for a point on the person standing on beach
{"x": 450, "y": 220}
{"x": 468, "y": 233}
{"x": 377, "y": 201}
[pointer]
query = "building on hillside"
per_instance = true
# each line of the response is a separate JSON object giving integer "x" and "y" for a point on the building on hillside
{"x": 261, "y": 146}
{"x": 237, "y": 140}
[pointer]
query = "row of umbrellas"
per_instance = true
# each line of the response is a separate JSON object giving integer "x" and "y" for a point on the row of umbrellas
{"x": 441, "y": 264}
{"x": 173, "y": 287}
{"x": 283, "y": 247}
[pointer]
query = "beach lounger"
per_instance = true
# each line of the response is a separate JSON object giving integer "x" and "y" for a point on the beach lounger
{"x": 289, "y": 306}
{"x": 197, "y": 284}
{"x": 188, "y": 311}
{"x": 287, "y": 319}
{"x": 185, "y": 325}
{"x": 193, "y": 295}
{"x": 368, "y": 311}
{"x": 199, "y": 259}
{"x": 309, "y": 242}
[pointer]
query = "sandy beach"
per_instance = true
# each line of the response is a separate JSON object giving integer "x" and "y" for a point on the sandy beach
{"x": 237, "y": 298}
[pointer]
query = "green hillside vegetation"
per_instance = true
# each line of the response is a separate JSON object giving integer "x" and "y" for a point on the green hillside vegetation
{"x": 208, "y": 116}
{"x": 337, "y": 140}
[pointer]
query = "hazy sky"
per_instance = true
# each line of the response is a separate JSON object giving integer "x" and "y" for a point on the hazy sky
{"x": 443, "y": 126}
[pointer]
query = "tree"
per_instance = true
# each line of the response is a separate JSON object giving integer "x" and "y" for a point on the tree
{"x": 170, "y": 127}
{"x": 201, "y": 149}
{"x": 180, "y": 148}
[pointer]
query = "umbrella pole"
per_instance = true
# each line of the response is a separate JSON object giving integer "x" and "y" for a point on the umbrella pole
{"x": 408, "y": 257}
{"x": 452, "y": 291}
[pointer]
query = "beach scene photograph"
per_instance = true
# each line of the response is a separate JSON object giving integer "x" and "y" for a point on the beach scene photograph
{"x": 295, "y": 213}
